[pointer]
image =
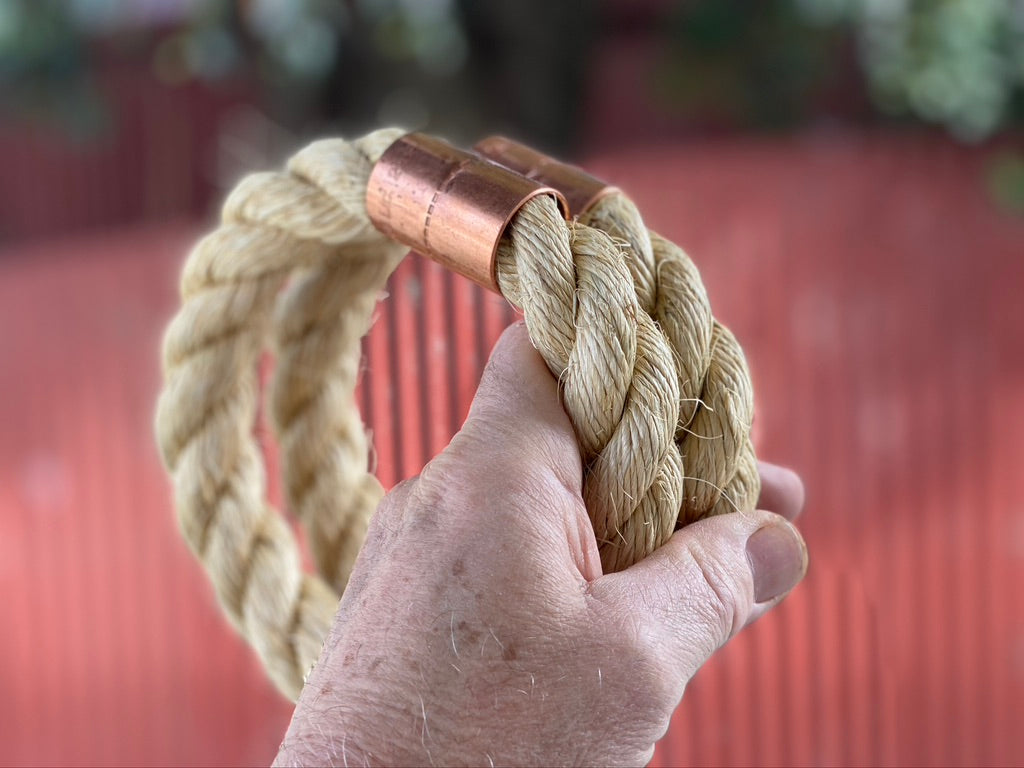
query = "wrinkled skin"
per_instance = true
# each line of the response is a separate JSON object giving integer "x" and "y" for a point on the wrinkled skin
{"x": 478, "y": 628}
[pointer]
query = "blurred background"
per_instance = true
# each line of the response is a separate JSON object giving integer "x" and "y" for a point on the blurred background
{"x": 847, "y": 174}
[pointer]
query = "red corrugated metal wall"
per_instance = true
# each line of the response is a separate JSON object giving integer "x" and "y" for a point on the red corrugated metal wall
{"x": 878, "y": 296}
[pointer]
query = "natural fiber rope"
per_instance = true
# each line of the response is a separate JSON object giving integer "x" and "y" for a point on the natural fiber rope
{"x": 716, "y": 396}
{"x": 657, "y": 391}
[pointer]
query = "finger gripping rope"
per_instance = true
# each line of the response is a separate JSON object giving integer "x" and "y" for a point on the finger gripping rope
{"x": 657, "y": 391}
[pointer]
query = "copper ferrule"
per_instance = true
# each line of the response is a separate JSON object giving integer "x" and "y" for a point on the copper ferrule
{"x": 581, "y": 190}
{"x": 448, "y": 204}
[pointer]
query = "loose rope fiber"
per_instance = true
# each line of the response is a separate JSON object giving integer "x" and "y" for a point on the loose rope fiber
{"x": 657, "y": 390}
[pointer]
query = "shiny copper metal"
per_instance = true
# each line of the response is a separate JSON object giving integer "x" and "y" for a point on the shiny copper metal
{"x": 450, "y": 205}
{"x": 581, "y": 190}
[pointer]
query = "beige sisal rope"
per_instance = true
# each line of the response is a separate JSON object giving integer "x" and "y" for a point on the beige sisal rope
{"x": 657, "y": 390}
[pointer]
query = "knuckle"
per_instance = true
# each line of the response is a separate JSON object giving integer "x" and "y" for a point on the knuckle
{"x": 390, "y": 514}
{"x": 396, "y": 500}
{"x": 719, "y": 597}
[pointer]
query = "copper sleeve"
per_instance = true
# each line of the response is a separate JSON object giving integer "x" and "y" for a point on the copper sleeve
{"x": 448, "y": 204}
{"x": 581, "y": 190}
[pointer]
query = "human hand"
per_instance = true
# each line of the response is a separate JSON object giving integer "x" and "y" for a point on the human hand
{"x": 477, "y": 627}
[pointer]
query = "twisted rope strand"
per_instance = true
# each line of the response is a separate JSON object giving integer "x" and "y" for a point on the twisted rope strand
{"x": 273, "y": 224}
{"x": 715, "y": 392}
{"x": 619, "y": 386}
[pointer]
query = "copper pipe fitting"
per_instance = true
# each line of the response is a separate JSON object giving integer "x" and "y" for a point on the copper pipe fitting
{"x": 581, "y": 190}
{"x": 448, "y": 204}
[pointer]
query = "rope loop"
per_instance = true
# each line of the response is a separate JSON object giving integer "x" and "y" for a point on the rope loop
{"x": 657, "y": 390}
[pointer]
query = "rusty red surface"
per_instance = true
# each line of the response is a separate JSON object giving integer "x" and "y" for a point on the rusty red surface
{"x": 879, "y": 297}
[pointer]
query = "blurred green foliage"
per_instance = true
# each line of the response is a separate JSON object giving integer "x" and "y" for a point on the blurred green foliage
{"x": 718, "y": 63}
{"x": 741, "y": 63}
{"x": 959, "y": 63}
{"x": 1006, "y": 181}
{"x": 44, "y": 68}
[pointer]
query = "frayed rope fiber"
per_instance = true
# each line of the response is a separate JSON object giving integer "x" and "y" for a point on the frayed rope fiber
{"x": 657, "y": 390}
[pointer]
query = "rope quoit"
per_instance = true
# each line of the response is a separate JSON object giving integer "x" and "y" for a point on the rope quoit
{"x": 657, "y": 390}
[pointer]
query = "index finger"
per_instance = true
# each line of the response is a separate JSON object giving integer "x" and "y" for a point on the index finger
{"x": 782, "y": 490}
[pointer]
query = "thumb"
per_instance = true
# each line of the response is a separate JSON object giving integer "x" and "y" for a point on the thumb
{"x": 708, "y": 581}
